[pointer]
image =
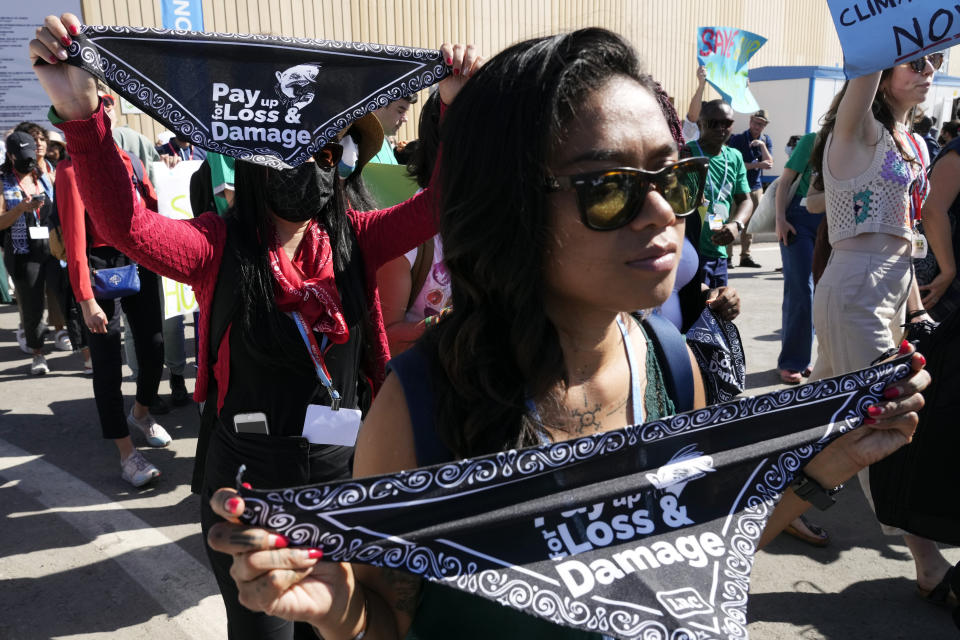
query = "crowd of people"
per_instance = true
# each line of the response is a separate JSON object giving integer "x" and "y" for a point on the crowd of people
{"x": 319, "y": 307}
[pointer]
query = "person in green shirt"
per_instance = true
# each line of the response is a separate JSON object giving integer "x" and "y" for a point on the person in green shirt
{"x": 727, "y": 208}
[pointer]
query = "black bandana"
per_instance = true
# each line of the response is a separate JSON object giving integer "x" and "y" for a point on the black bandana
{"x": 270, "y": 100}
{"x": 644, "y": 532}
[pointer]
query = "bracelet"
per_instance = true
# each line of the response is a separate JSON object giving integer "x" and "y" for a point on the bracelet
{"x": 808, "y": 489}
{"x": 916, "y": 313}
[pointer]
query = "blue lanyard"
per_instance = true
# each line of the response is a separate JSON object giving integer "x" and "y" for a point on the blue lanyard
{"x": 316, "y": 354}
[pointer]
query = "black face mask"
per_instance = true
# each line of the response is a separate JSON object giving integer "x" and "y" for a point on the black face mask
{"x": 301, "y": 193}
{"x": 24, "y": 165}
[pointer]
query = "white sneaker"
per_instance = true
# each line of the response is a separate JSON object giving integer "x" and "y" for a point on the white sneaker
{"x": 137, "y": 470}
{"x": 39, "y": 366}
{"x": 88, "y": 367}
{"x": 22, "y": 341}
{"x": 61, "y": 340}
{"x": 156, "y": 435}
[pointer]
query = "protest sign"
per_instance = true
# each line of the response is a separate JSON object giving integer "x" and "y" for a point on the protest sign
{"x": 23, "y": 97}
{"x": 185, "y": 15}
{"x": 389, "y": 184}
{"x": 173, "y": 201}
{"x": 272, "y": 100}
{"x": 724, "y": 52}
{"x": 876, "y": 35}
{"x": 644, "y": 532}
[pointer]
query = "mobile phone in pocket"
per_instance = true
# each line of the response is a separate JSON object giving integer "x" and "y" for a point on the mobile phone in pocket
{"x": 251, "y": 423}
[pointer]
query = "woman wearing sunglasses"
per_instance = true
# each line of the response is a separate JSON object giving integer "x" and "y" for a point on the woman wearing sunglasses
{"x": 549, "y": 251}
{"x": 875, "y": 184}
{"x": 286, "y": 284}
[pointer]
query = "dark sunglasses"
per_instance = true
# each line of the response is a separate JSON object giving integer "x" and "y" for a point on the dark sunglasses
{"x": 920, "y": 64}
{"x": 612, "y": 198}
{"x": 329, "y": 156}
{"x": 716, "y": 123}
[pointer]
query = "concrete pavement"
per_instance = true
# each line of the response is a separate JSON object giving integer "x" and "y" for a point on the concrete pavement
{"x": 83, "y": 555}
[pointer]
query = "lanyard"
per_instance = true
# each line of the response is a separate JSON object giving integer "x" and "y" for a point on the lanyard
{"x": 709, "y": 182}
{"x": 919, "y": 193}
{"x": 316, "y": 354}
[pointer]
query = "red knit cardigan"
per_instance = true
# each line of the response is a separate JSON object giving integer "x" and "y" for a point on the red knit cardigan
{"x": 190, "y": 251}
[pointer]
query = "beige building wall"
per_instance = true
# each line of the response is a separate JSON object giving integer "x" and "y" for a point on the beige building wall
{"x": 664, "y": 31}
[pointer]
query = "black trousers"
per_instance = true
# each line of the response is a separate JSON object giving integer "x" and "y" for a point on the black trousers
{"x": 106, "y": 353}
{"x": 272, "y": 462}
{"x": 32, "y": 274}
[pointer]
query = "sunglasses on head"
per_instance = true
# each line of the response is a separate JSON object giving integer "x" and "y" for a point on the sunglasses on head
{"x": 329, "y": 155}
{"x": 920, "y": 64}
{"x": 107, "y": 100}
{"x": 716, "y": 123}
{"x": 612, "y": 198}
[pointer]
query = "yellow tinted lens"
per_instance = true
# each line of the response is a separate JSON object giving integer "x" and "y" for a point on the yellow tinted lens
{"x": 606, "y": 201}
{"x": 679, "y": 189}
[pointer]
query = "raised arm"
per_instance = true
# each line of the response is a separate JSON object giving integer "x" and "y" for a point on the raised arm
{"x": 182, "y": 250}
{"x": 693, "y": 110}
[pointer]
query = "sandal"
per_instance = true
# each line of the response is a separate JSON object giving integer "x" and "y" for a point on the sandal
{"x": 941, "y": 595}
{"x": 817, "y": 537}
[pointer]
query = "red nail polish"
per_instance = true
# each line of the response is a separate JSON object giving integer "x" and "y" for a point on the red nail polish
{"x": 74, "y": 30}
{"x": 456, "y": 72}
{"x": 246, "y": 485}
{"x": 923, "y": 361}
{"x": 53, "y": 60}
{"x": 314, "y": 554}
{"x": 449, "y": 60}
{"x": 279, "y": 542}
{"x": 874, "y": 411}
{"x": 904, "y": 348}
{"x": 891, "y": 393}
{"x": 869, "y": 421}
{"x": 233, "y": 505}
{"x": 65, "y": 40}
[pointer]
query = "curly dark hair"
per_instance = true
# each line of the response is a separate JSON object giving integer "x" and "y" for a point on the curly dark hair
{"x": 498, "y": 346}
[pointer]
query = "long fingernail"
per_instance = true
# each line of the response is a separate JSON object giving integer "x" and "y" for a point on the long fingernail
{"x": 874, "y": 410}
{"x": 869, "y": 421}
{"x": 923, "y": 361}
{"x": 449, "y": 60}
{"x": 314, "y": 554}
{"x": 65, "y": 40}
{"x": 904, "y": 348}
{"x": 62, "y": 54}
{"x": 74, "y": 30}
{"x": 233, "y": 505}
{"x": 246, "y": 485}
{"x": 279, "y": 542}
{"x": 53, "y": 60}
{"x": 891, "y": 393}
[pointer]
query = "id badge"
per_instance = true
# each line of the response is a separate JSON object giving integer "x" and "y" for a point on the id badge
{"x": 323, "y": 425}
{"x": 715, "y": 220}
{"x": 39, "y": 233}
{"x": 919, "y": 251}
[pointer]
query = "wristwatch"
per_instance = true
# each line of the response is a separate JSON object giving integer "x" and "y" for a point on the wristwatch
{"x": 739, "y": 225}
{"x": 810, "y": 490}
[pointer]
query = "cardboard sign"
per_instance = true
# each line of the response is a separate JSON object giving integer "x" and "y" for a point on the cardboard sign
{"x": 724, "y": 52}
{"x": 173, "y": 200}
{"x": 879, "y": 35}
{"x": 266, "y": 99}
{"x": 643, "y": 532}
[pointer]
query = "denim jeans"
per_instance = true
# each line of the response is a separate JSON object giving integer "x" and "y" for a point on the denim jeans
{"x": 797, "y": 309}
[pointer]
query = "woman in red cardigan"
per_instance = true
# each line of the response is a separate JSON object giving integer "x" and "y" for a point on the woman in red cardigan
{"x": 287, "y": 291}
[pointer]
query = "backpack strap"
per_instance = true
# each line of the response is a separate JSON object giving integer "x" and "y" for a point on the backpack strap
{"x": 420, "y": 270}
{"x": 673, "y": 358}
{"x": 413, "y": 371}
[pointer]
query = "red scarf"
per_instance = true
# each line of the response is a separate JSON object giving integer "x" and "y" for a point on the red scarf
{"x": 315, "y": 297}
